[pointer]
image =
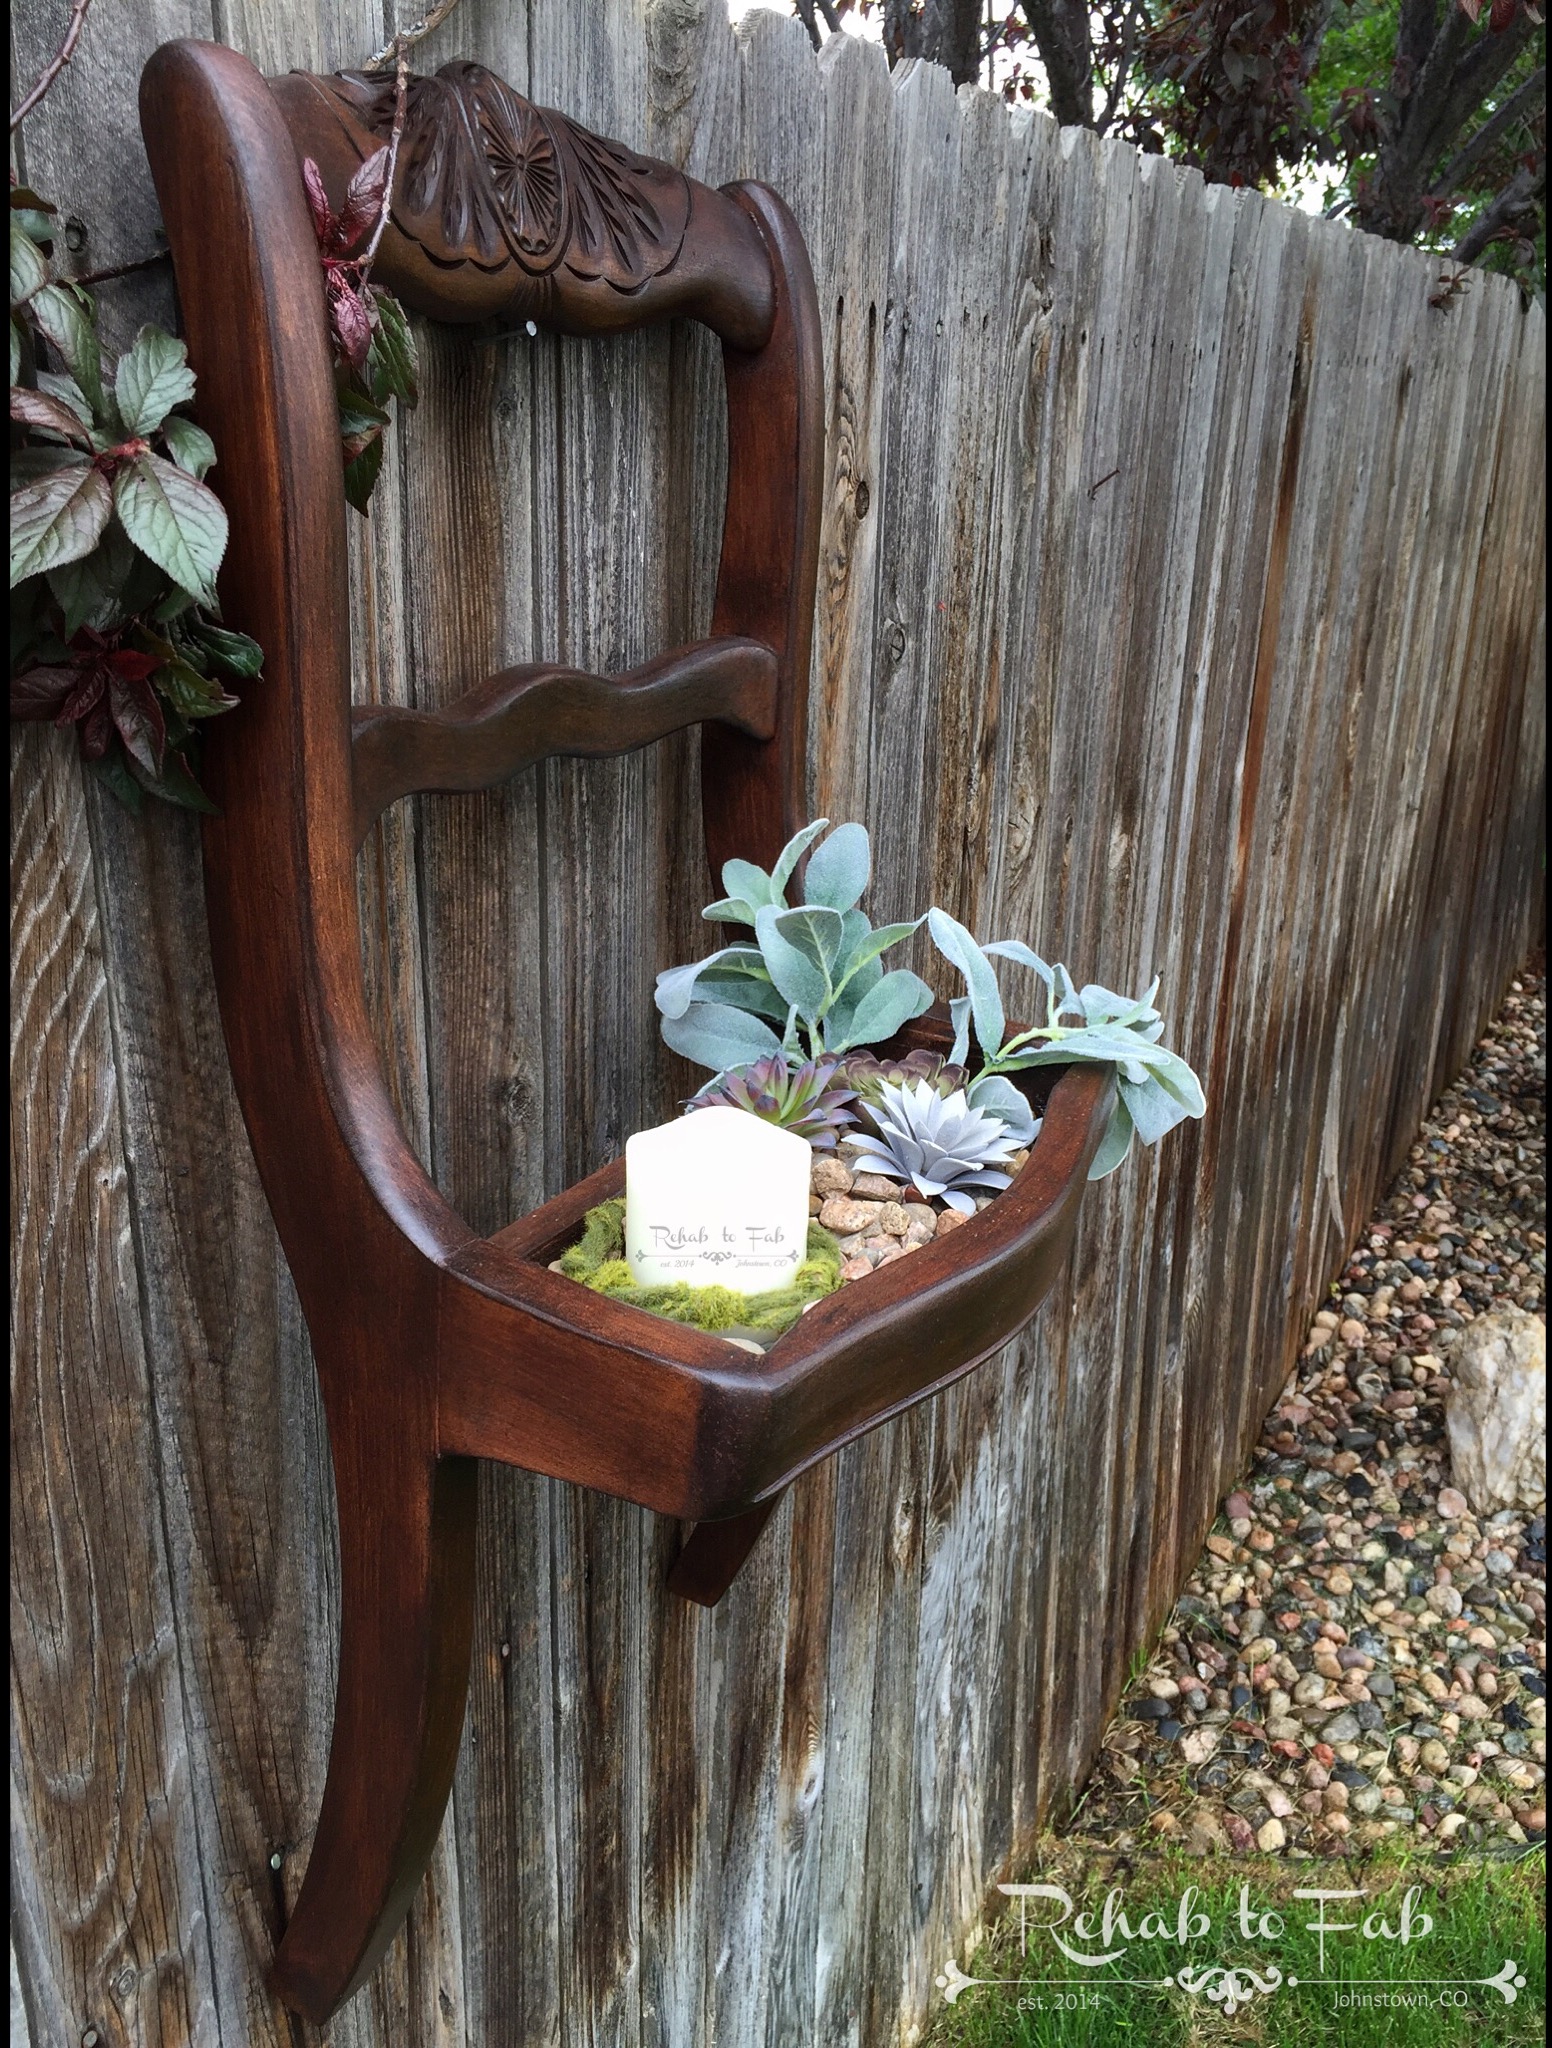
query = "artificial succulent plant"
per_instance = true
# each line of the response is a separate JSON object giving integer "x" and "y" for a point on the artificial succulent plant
{"x": 867, "y": 1073}
{"x": 811, "y": 1100}
{"x": 942, "y": 1144}
{"x": 809, "y": 980}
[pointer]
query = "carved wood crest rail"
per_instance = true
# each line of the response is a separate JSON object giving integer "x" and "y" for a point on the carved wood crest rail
{"x": 435, "y": 1346}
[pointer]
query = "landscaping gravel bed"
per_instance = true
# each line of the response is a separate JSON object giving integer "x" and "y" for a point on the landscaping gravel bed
{"x": 1356, "y": 1654}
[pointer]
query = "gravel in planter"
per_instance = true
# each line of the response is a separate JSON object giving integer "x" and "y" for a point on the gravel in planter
{"x": 1356, "y": 1654}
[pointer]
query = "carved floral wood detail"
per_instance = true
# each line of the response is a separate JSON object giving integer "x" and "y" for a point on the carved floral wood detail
{"x": 488, "y": 178}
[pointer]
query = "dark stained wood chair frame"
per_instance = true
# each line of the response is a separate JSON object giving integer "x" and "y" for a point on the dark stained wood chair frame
{"x": 435, "y": 1346}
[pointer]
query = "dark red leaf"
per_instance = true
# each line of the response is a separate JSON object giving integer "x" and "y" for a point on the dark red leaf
{"x": 96, "y": 730}
{"x": 138, "y": 716}
{"x": 352, "y": 323}
{"x": 37, "y": 409}
{"x": 324, "y": 223}
{"x": 363, "y": 201}
{"x": 39, "y": 692}
{"x": 132, "y": 666}
{"x": 91, "y": 685}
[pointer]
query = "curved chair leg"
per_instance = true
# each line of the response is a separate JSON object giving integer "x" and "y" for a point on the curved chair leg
{"x": 714, "y": 1553}
{"x": 406, "y": 1617}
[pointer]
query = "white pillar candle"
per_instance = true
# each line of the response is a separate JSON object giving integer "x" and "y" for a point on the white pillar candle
{"x": 718, "y": 1198}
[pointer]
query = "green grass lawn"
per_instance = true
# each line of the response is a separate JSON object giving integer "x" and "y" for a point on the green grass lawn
{"x": 1485, "y": 1913}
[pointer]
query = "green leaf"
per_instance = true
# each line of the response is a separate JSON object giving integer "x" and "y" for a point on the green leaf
{"x": 176, "y": 785}
{"x": 172, "y": 606}
{"x": 718, "y": 1037}
{"x": 175, "y": 520}
{"x": 729, "y": 910}
{"x": 838, "y": 870}
{"x": 1115, "y": 1144}
{"x": 361, "y": 472}
{"x": 190, "y": 694}
{"x": 789, "y": 857}
{"x": 1152, "y": 1109}
{"x": 793, "y": 961}
{"x": 744, "y": 992}
{"x": 959, "y": 1012}
{"x": 16, "y": 350}
{"x": 112, "y": 771}
{"x": 874, "y": 943}
{"x": 65, "y": 316}
{"x": 57, "y": 519}
{"x": 189, "y": 446}
{"x": 40, "y": 460}
{"x": 90, "y": 590}
{"x": 152, "y": 377}
{"x": 234, "y": 651}
{"x": 893, "y": 1002}
{"x": 959, "y": 948}
{"x": 392, "y": 367}
{"x": 29, "y": 265}
{"x": 745, "y": 883}
{"x": 68, "y": 392}
{"x": 675, "y": 988}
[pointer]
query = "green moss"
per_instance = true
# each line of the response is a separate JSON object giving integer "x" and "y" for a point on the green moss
{"x": 597, "y": 1260}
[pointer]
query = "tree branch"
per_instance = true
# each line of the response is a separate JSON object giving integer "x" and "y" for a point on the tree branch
{"x": 390, "y": 53}
{"x": 1473, "y": 80}
{"x": 1136, "y": 15}
{"x": 1521, "y": 192}
{"x": 400, "y": 103}
{"x": 1061, "y": 32}
{"x": 56, "y": 63}
{"x": 1520, "y": 102}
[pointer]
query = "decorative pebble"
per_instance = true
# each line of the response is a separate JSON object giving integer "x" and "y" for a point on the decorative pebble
{"x": 1357, "y": 1656}
{"x": 848, "y": 1218}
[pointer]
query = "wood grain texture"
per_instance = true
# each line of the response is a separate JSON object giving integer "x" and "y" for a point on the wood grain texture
{"x": 1261, "y": 711}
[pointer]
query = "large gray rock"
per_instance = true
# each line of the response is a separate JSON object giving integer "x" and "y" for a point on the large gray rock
{"x": 1496, "y": 1411}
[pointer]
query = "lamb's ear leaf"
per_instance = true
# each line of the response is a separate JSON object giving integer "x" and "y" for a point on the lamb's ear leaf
{"x": 1015, "y": 949}
{"x": 1152, "y": 1110}
{"x": 716, "y": 1036}
{"x": 676, "y": 985}
{"x": 746, "y": 883}
{"x": 886, "y": 1006}
{"x": 1172, "y": 1074}
{"x": 729, "y": 910}
{"x": 960, "y": 949}
{"x": 959, "y": 1010}
{"x": 871, "y": 944}
{"x": 838, "y": 870}
{"x": 1115, "y": 1144}
{"x": 788, "y": 859}
{"x": 1066, "y": 995}
{"x": 792, "y": 959}
{"x": 742, "y": 991}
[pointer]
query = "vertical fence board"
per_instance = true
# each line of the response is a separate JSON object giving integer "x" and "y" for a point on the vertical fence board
{"x": 1179, "y": 611}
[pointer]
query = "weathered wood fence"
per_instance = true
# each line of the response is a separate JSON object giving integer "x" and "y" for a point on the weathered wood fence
{"x": 1180, "y": 609}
